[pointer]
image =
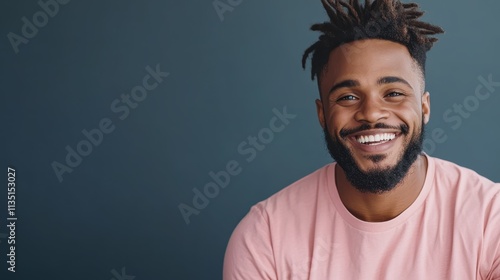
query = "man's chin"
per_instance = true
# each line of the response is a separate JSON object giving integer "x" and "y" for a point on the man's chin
{"x": 368, "y": 168}
{"x": 375, "y": 162}
{"x": 374, "y": 170}
{"x": 375, "y": 173}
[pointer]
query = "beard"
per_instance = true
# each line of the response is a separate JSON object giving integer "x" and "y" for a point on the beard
{"x": 376, "y": 180}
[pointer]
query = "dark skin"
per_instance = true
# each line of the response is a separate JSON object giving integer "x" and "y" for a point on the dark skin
{"x": 381, "y": 83}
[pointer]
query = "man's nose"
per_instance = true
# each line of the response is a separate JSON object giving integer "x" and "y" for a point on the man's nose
{"x": 371, "y": 110}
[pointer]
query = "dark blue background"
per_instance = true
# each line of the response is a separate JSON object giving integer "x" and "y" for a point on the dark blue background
{"x": 119, "y": 207}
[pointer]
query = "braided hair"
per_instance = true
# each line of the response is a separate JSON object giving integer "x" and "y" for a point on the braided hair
{"x": 377, "y": 19}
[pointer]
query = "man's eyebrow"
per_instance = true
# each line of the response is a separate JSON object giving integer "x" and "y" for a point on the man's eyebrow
{"x": 381, "y": 81}
{"x": 393, "y": 79}
{"x": 343, "y": 84}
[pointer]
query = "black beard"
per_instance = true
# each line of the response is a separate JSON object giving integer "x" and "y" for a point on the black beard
{"x": 375, "y": 181}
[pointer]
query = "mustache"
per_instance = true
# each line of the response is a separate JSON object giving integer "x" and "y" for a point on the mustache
{"x": 347, "y": 131}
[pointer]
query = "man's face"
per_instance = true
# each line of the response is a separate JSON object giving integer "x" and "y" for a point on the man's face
{"x": 373, "y": 110}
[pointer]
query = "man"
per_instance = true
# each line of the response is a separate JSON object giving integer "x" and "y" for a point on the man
{"x": 384, "y": 210}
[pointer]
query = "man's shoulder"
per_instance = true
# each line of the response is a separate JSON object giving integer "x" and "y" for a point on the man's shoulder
{"x": 462, "y": 181}
{"x": 450, "y": 171}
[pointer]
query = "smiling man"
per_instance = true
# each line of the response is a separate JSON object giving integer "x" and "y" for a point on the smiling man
{"x": 384, "y": 209}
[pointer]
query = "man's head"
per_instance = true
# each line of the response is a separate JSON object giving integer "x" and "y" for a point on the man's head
{"x": 370, "y": 65}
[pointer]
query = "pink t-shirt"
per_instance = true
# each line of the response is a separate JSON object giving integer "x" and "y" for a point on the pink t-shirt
{"x": 451, "y": 231}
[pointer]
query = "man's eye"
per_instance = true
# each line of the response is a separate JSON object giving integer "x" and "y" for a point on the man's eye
{"x": 394, "y": 94}
{"x": 347, "y": 97}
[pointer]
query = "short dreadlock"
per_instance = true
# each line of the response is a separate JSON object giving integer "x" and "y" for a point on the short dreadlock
{"x": 351, "y": 21}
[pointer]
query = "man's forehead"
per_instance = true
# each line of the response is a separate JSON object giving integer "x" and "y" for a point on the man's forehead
{"x": 358, "y": 54}
{"x": 370, "y": 59}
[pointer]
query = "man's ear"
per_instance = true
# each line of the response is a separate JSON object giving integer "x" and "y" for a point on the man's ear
{"x": 321, "y": 114}
{"x": 426, "y": 106}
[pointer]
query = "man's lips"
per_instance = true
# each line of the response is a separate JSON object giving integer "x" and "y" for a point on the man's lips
{"x": 377, "y": 140}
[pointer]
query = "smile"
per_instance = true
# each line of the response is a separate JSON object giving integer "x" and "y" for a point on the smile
{"x": 375, "y": 139}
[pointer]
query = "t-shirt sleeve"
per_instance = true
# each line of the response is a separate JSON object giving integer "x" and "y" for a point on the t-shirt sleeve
{"x": 249, "y": 253}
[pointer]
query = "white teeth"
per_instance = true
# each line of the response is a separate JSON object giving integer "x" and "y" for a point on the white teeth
{"x": 376, "y": 138}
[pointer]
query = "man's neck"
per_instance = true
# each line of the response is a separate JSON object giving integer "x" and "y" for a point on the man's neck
{"x": 386, "y": 206}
